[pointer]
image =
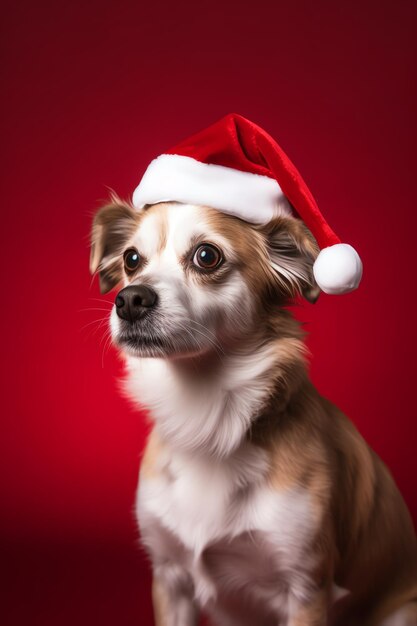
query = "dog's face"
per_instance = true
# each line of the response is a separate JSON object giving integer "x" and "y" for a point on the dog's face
{"x": 195, "y": 279}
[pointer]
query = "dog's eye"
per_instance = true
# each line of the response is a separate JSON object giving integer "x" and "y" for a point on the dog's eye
{"x": 131, "y": 259}
{"x": 207, "y": 257}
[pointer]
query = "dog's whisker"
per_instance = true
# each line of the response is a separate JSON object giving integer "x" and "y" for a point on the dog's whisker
{"x": 213, "y": 342}
{"x": 94, "y": 309}
{"x": 205, "y": 328}
{"x": 106, "y": 346}
{"x": 187, "y": 330}
{"x": 100, "y": 321}
{"x": 105, "y": 336}
{"x": 102, "y": 300}
{"x": 202, "y": 326}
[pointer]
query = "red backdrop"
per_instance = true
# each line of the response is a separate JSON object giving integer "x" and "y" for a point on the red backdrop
{"x": 94, "y": 90}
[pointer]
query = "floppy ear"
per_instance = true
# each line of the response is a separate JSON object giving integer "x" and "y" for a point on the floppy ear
{"x": 112, "y": 226}
{"x": 292, "y": 251}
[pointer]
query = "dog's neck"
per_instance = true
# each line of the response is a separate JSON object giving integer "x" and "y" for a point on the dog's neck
{"x": 211, "y": 404}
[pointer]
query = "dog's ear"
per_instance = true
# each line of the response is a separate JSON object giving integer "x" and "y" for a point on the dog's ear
{"x": 292, "y": 251}
{"x": 112, "y": 226}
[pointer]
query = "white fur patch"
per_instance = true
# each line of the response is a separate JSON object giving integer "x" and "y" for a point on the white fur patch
{"x": 206, "y": 418}
{"x": 232, "y": 532}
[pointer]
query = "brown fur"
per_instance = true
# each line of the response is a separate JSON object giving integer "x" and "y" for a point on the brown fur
{"x": 367, "y": 541}
{"x": 112, "y": 226}
{"x": 312, "y": 614}
{"x": 283, "y": 238}
{"x": 160, "y": 603}
{"x": 153, "y": 450}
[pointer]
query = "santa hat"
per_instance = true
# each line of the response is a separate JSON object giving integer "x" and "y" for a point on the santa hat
{"x": 236, "y": 167}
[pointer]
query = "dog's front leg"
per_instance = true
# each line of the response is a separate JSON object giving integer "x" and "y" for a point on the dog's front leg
{"x": 172, "y": 598}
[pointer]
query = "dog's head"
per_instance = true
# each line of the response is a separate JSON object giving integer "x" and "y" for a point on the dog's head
{"x": 195, "y": 279}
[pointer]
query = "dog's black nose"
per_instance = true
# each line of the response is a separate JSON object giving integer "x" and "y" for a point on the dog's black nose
{"x": 133, "y": 301}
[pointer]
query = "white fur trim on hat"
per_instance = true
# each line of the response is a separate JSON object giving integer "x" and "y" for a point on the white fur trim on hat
{"x": 172, "y": 177}
{"x": 338, "y": 269}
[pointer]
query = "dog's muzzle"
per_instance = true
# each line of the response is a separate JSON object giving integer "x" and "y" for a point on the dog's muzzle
{"x": 134, "y": 301}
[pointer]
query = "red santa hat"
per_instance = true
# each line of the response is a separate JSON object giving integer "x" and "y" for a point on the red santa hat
{"x": 236, "y": 167}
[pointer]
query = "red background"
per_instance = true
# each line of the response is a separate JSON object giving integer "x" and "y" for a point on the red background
{"x": 94, "y": 90}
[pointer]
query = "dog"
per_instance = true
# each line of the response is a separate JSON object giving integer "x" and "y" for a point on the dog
{"x": 259, "y": 502}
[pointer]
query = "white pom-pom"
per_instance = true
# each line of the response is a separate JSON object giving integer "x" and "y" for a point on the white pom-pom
{"x": 338, "y": 269}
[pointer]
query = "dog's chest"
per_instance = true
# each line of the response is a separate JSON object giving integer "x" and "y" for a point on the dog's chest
{"x": 224, "y": 522}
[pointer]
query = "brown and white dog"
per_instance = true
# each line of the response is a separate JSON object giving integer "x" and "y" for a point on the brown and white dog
{"x": 258, "y": 500}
